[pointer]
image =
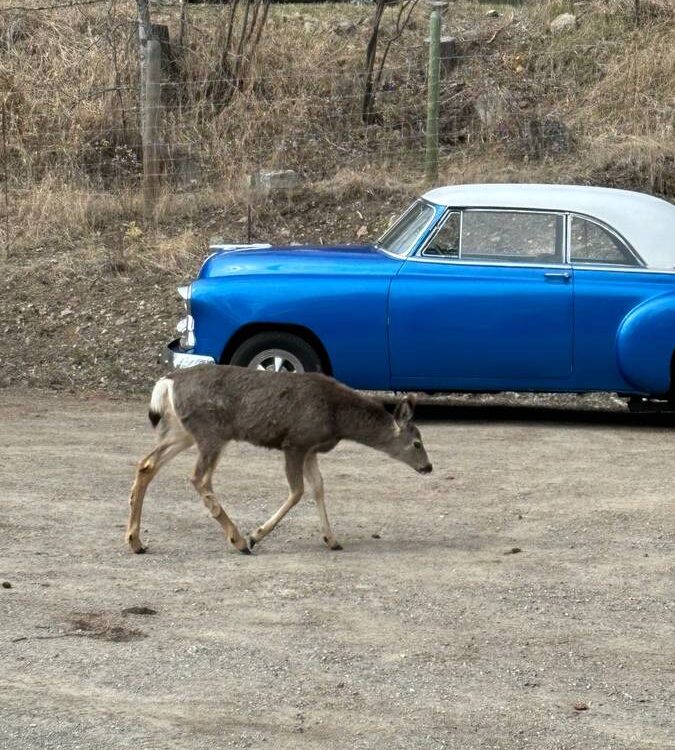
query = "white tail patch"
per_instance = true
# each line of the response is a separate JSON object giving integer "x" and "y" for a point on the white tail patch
{"x": 162, "y": 396}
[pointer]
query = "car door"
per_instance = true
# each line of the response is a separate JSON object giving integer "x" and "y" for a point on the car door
{"x": 611, "y": 281}
{"x": 487, "y": 303}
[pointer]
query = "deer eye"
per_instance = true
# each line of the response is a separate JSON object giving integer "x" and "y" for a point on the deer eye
{"x": 417, "y": 444}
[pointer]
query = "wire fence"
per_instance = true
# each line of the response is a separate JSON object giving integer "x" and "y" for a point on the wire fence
{"x": 73, "y": 116}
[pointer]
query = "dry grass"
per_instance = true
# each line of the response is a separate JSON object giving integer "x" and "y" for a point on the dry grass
{"x": 72, "y": 152}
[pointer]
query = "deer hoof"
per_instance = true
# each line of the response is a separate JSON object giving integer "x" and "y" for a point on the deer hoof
{"x": 137, "y": 548}
{"x": 245, "y": 551}
{"x": 336, "y": 547}
{"x": 251, "y": 542}
{"x": 334, "y": 544}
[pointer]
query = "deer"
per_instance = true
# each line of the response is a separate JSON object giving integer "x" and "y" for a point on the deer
{"x": 301, "y": 414}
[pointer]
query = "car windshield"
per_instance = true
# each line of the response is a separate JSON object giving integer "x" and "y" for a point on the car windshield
{"x": 404, "y": 234}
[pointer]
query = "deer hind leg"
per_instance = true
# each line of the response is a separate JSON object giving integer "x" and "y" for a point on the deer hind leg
{"x": 313, "y": 475}
{"x": 171, "y": 445}
{"x": 202, "y": 481}
{"x": 294, "y": 464}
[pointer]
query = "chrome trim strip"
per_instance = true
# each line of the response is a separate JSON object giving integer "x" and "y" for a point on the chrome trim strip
{"x": 174, "y": 357}
{"x": 623, "y": 269}
{"x": 497, "y": 263}
{"x": 229, "y": 247}
{"x": 388, "y": 253}
{"x": 543, "y": 266}
{"x": 182, "y": 360}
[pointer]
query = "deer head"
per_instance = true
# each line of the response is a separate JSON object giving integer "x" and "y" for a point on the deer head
{"x": 405, "y": 444}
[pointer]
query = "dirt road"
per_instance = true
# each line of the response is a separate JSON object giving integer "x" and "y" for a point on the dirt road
{"x": 428, "y": 631}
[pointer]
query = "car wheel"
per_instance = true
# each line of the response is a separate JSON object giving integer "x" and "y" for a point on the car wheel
{"x": 277, "y": 352}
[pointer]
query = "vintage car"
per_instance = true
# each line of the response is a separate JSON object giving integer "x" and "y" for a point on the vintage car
{"x": 474, "y": 288}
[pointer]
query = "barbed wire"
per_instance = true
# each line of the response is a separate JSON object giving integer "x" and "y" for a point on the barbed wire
{"x": 313, "y": 125}
{"x": 54, "y": 6}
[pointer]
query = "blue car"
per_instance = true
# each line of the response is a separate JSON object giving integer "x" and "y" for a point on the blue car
{"x": 478, "y": 288}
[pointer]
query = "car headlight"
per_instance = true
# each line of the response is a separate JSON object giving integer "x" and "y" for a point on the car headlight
{"x": 186, "y": 325}
{"x": 185, "y": 291}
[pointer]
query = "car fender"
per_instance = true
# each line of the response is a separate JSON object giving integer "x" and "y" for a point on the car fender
{"x": 346, "y": 315}
{"x": 645, "y": 344}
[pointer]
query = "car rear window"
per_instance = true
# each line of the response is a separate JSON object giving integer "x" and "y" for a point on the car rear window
{"x": 591, "y": 243}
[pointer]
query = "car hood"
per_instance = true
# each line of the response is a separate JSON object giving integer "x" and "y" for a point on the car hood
{"x": 227, "y": 260}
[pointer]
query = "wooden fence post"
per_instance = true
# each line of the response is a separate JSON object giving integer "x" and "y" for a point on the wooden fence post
{"x": 4, "y": 251}
{"x": 433, "y": 85}
{"x": 150, "y": 52}
{"x": 150, "y": 115}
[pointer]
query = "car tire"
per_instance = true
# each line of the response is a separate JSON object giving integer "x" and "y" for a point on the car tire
{"x": 277, "y": 351}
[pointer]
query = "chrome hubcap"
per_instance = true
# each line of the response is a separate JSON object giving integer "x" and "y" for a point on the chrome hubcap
{"x": 276, "y": 360}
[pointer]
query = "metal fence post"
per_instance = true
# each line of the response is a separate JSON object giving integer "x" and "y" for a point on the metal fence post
{"x": 431, "y": 170}
{"x": 4, "y": 253}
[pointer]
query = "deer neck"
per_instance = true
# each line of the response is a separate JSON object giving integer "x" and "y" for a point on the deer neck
{"x": 365, "y": 422}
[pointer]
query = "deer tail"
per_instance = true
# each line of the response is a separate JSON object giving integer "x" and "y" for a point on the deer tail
{"x": 160, "y": 400}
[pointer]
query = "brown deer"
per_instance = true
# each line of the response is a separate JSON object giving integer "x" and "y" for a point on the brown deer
{"x": 300, "y": 414}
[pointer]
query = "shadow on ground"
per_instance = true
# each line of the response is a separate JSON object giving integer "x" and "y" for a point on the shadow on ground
{"x": 539, "y": 415}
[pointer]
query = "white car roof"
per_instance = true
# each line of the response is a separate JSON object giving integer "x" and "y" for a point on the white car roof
{"x": 647, "y": 223}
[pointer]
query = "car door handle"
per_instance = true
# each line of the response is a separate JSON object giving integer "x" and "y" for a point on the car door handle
{"x": 563, "y": 276}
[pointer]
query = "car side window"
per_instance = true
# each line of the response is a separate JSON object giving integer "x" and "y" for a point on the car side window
{"x": 512, "y": 236}
{"x": 445, "y": 242}
{"x": 405, "y": 233}
{"x": 591, "y": 243}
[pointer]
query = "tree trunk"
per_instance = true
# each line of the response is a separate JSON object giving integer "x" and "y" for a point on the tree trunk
{"x": 368, "y": 105}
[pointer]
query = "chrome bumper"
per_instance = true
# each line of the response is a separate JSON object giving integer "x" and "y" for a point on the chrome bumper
{"x": 177, "y": 359}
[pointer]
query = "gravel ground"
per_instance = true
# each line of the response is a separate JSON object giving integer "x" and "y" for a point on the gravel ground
{"x": 519, "y": 597}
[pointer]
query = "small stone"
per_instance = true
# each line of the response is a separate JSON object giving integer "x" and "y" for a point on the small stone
{"x": 563, "y": 23}
{"x": 581, "y": 706}
{"x": 344, "y": 28}
{"x": 376, "y": 536}
{"x": 139, "y": 611}
{"x": 6, "y": 585}
{"x": 513, "y": 551}
{"x": 492, "y": 14}
{"x": 275, "y": 182}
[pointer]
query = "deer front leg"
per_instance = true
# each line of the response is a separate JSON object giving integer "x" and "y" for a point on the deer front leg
{"x": 146, "y": 469}
{"x": 315, "y": 479}
{"x": 201, "y": 479}
{"x": 294, "y": 464}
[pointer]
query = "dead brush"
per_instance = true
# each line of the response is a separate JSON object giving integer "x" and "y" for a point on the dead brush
{"x": 72, "y": 138}
{"x": 643, "y": 10}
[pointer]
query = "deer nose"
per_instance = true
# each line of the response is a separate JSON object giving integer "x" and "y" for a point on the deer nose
{"x": 426, "y": 469}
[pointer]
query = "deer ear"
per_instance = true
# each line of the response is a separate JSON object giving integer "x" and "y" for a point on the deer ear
{"x": 405, "y": 410}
